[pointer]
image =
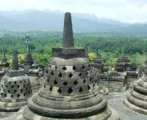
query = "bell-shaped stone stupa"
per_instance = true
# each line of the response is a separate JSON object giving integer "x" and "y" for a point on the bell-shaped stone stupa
{"x": 15, "y": 88}
{"x": 136, "y": 97}
{"x": 69, "y": 92}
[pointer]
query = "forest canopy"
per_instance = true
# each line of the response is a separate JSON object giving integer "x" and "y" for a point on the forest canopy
{"x": 108, "y": 46}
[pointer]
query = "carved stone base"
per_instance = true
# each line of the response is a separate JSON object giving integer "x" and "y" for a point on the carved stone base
{"x": 135, "y": 105}
{"x": 108, "y": 114}
{"x": 11, "y": 107}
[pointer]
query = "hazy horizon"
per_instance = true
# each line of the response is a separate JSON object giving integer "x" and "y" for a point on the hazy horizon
{"x": 129, "y": 11}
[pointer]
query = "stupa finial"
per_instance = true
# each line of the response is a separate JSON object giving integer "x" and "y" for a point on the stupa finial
{"x": 68, "y": 40}
{"x": 15, "y": 60}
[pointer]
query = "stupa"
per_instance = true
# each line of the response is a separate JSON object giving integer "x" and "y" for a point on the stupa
{"x": 69, "y": 92}
{"x": 3, "y": 65}
{"x": 136, "y": 97}
{"x": 15, "y": 88}
{"x": 123, "y": 64}
{"x": 30, "y": 67}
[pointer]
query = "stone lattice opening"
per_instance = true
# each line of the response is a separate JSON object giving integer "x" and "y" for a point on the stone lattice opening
{"x": 70, "y": 75}
{"x": 75, "y": 83}
{"x": 80, "y": 90}
{"x": 55, "y": 82}
{"x": 83, "y": 67}
{"x": 59, "y": 91}
{"x": 65, "y": 83}
{"x": 18, "y": 95}
{"x": 51, "y": 88}
{"x": 64, "y": 68}
{"x": 84, "y": 81}
{"x": 80, "y": 74}
{"x": 74, "y": 68}
{"x": 60, "y": 75}
{"x": 52, "y": 73}
{"x": 70, "y": 90}
{"x": 88, "y": 87}
{"x": 8, "y": 91}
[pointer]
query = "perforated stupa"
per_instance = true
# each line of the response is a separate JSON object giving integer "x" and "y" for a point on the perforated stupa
{"x": 69, "y": 92}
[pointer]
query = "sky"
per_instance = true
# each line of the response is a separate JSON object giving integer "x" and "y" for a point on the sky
{"x": 130, "y": 11}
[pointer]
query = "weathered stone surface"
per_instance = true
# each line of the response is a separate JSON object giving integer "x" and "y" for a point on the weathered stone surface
{"x": 70, "y": 91}
{"x": 136, "y": 97}
{"x": 68, "y": 40}
{"x": 4, "y": 65}
{"x": 15, "y": 88}
{"x": 30, "y": 67}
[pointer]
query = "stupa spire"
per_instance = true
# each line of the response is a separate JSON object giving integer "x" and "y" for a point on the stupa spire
{"x": 68, "y": 40}
{"x": 15, "y": 60}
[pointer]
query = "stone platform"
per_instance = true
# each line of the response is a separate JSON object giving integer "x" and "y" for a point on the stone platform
{"x": 115, "y": 100}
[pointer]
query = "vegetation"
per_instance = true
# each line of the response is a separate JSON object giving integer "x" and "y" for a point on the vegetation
{"x": 109, "y": 47}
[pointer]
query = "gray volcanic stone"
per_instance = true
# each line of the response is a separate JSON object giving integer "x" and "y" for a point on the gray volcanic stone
{"x": 136, "y": 97}
{"x": 15, "y": 61}
{"x": 15, "y": 88}
{"x": 68, "y": 40}
{"x": 70, "y": 91}
{"x": 4, "y": 65}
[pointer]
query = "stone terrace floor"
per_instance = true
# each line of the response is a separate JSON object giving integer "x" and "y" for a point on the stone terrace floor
{"x": 115, "y": 100}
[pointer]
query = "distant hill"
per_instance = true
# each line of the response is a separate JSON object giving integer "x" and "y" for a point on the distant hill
{"x": 53, "y": 21}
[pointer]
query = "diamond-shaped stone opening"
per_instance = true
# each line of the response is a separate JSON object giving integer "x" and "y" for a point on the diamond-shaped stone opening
{"x": 55, "y": 82}
{"x": 65, "y": 83}
{"x": 83, "y": 67}
{"x": 52, "y": 73}
{"x": 15, "y": 91}
{"x": 15, "y": 82}
{"x": 87, "y": 73}
{"x": 70, "y": 75}
{"x": 74, "y": 68}
{"x": 84, "y": 81}
{"x": 88, "y": 87}
{"x": 24, "y": 94}
{"x": 44, "y": 86}
{"x": 80, "y": 90}
{"x": 80, "y": 74}
{"x": 75, "y": 82}
{"x": 55, "y": 67}
{"x": 12, "y": 86}
{"x": 60, "y": 75}
{"x": 90, "y": 78}
{"x": 9, "y": 83}
{"x": 11, "y": 96}
{"x": 48, "y": 80}
{"x": 18, "y": 86}
{"x": 8, "y": 91}
{"x": 21, "y": 90}
{"x": 70, "y": 90}
{"x": 51, "y": 88}
{"x": 89, "y": 65}
{"x": 59, "y": 91}
{"x": 46, "y": 71}
{"x": 18, "y": 95}
{"x": 64, "y": 68}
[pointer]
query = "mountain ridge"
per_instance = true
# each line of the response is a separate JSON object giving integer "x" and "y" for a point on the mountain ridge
{"x": 53, "y": 21}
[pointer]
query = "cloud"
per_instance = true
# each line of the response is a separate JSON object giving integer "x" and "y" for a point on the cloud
{"x": 122, "y": 10}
